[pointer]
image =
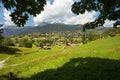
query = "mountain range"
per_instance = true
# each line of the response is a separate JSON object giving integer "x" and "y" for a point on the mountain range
{"x": 55, "y": 27}
{"x": 44, "y": 28}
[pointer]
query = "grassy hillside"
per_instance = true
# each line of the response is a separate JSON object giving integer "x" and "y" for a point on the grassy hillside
{"x": 97, "y": 60}
{"x": 104, "y": 48}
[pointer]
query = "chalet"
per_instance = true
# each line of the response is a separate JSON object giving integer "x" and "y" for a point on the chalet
{"x": 70, "y": 44}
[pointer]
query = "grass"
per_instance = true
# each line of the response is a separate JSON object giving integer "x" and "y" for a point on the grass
{"x": 104, "y": 48}
{"x": 27, "y": 54}
{"x": 97, "y": 60}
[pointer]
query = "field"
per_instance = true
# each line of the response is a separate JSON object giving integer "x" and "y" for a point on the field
{"x": 96, "y": 60}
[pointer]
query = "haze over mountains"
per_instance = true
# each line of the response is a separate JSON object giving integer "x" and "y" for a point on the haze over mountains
{"x": 44, "y": 27}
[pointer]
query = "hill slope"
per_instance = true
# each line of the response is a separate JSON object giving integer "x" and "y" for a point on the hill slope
{"x": 99, "y": 59}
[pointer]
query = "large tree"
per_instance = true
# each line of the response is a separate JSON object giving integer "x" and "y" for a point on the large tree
{"x": 1, "y": 31}
{"x": 109, "y": 9}
{"x": 21, "y": 9}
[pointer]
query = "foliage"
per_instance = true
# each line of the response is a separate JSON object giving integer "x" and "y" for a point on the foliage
{"x": 108, "y": 10}
{"x": 58, "y": 38}
{"x": 41, "y": 43}
{"x": 25, "y": 42}
{"x": 84, "y": 39}
{"x": 21, "y": 9}
{"x": 91, "y": 36}
{"x": 1, "y": 31}
{"x": 111, "y": 32}
{"x": 7, "y": 42}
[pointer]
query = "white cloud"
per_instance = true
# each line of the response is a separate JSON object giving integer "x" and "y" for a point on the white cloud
{"x": 7, "y": 18}
{"x": 108, "y": 23}
{"x": 60, "y": 11}
{"x": 82, "y": 18}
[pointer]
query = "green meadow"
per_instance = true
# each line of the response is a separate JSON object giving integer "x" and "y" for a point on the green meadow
{"x": 96, "y": 60}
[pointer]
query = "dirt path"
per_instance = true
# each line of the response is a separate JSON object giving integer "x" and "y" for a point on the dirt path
{"x": 63, "y": 53}
{"x": 2, "y": 63}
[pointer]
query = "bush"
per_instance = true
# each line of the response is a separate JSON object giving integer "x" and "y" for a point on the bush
{"x": 111, "y": 32}
{"x": 93, "y": 35}
{"x": 84, "y": 39}
{"x": 25, "y": 42}
{"x": 41, "y": 43}
{"x": 7, "y": 42}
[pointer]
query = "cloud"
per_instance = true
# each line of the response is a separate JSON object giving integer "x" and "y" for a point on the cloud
{"x": 7, "y": 18}
{"x": 60, "y": 11}
{"x": 82, "y": 18}
{"x": 108, "y": 23}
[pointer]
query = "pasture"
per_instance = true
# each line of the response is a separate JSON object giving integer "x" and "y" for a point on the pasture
{"x": 96, "y": 60}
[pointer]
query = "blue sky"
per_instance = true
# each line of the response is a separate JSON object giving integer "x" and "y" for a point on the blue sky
{"x": 4, "y": 17}
{"x": 1, "y": 14}
{"x": 54, "y": 11}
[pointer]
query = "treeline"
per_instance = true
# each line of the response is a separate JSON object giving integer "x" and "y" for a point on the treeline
{"x": 112, "y": 32}
{"x": 57, "y": 38}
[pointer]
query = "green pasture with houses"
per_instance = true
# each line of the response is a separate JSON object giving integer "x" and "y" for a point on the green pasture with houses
{"x": 96, "y": 60}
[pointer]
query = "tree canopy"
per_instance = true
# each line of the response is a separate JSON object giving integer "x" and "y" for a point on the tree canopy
{"x": 109, "y": 9}
{"x": 1, "y": 31}
{"x": 21, "y": 9}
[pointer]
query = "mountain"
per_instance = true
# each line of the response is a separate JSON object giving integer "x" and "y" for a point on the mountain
{"x": 44, "y": 28}
{"x": 55, "y": 27}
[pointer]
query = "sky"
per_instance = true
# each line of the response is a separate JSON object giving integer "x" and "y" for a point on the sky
{"x": 55, "y": 11}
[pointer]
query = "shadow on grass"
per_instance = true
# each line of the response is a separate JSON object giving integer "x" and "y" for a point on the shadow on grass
{"x": 81, "y": 69}
{"x": 8, "y": 50}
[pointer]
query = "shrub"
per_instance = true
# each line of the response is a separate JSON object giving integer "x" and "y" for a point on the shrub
{"x": 25, "y": 42}
{"x": 84, "y": 39}
{"x": 7, "y": 42}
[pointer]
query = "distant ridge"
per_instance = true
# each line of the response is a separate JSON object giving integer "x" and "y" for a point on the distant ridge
{"x": 55, "y": 27}
{"x": 44, "y": 28}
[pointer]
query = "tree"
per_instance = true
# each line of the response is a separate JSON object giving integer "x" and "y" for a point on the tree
{"x": 25, "y": 42}
{"x": 109, "y": 9}
{"x": 7, "y": 42}
{"x": 21, "y": 9}
{"x": 1, "y": 31}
